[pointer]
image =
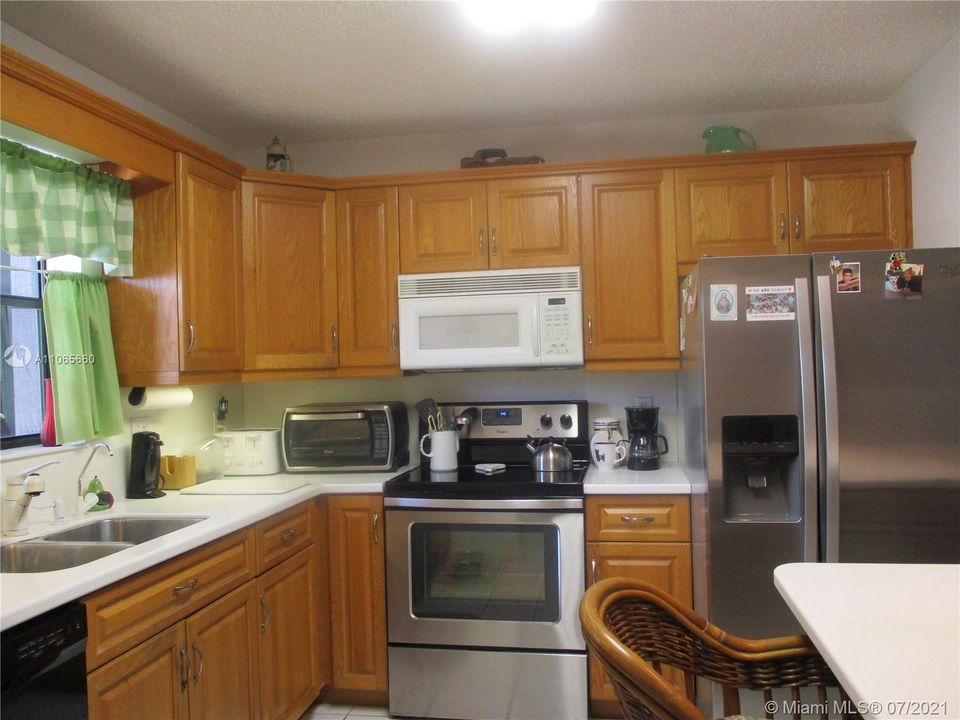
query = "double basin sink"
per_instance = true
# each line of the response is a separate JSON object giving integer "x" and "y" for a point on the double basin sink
{"x": 86, "y": 543}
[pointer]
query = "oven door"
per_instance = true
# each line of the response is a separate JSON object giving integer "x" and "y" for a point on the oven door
{"x": 482, "y": 578}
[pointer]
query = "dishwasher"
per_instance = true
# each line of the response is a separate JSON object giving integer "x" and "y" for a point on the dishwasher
{"x": 43, "y": 668}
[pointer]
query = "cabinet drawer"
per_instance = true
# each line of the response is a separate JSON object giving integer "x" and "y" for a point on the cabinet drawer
{"x": 132, "y": 610}
{"x": 284, "y": 535}
{"x": 646, "y": 518}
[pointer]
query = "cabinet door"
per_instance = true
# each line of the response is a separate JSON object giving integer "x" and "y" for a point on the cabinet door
{"x": 289, "y": 277}
{"x": 629, "y": 266}
{"x": 848, "y": 204}
{"x": 357, "y": 592}
{"x": 442, "y": 227}
{"x": 208, "y": 252}
{"x": 222, "y": 646}
{"x": 289, "y": 637}
{"x": 665, "y": 565}
{"x": 533, "y": 222}
{"x": 731, "y": 210}
{"x": 368, "y": 254}
{"x": 148, "y": 682}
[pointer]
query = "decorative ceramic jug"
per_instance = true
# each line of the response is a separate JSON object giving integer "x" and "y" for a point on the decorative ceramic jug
{"x": 727, "y": 138}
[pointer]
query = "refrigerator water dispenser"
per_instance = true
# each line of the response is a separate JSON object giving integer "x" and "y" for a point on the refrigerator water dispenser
{"x": 762, "y": 476}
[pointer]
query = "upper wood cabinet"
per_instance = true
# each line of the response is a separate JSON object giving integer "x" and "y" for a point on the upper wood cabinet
{"x": 208, "y": 249}
{"x": 629, "y": 268}
{"x": 289, "y": 277}
{"x": 848, "y": 204}
{"x": 509, "y": 223}
{"x": 369, "y": 262}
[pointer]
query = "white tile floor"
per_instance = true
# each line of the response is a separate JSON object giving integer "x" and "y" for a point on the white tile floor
{"x": 323, "y": 711}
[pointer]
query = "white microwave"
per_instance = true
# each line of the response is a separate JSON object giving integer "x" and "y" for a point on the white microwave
{"x": 490, "y": 319}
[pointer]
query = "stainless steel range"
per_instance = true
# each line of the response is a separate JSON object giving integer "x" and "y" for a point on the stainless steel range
{"x": 485, "y": 572}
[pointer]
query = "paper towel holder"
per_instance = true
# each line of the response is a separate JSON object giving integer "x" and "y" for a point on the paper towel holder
{"x": 136, "y": 395}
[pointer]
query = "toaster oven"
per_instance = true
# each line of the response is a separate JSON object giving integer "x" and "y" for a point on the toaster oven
{"x": 345, "y": 437}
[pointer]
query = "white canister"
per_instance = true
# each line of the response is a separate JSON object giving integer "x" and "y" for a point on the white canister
{"x": 608, "y": 449}
{"x": 251, "y": 452}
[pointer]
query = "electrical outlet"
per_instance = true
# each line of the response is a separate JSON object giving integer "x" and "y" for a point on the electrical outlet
{"x": 644, "y": 401}
{"x": 140, "y": 424}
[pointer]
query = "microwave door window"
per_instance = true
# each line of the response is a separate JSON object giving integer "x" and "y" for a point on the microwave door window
{"x": 460, "y": 332}
{"x": 332, "y": 442}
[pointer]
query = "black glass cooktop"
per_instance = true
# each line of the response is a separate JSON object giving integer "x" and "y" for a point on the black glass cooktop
{"x": 515, "y": 481}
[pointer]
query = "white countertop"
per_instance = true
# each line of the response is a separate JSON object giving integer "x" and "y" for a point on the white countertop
{"x": 891, "y": 633}
{"x": 668, "y": 480}
{"x": 26, "y": 595}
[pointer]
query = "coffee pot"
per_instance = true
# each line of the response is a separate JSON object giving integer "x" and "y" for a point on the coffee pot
{"x": 646, "y": 444}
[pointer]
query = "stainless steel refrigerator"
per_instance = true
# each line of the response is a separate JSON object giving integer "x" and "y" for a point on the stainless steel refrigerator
{"x": 820, "y": 400}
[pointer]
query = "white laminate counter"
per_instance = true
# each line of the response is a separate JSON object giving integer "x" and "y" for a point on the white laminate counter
{"x": 26, "y": 595}
{"x": 890, "y": 633}
{"x": 668, "y": 480}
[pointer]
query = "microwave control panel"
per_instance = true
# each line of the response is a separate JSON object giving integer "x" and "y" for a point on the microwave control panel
{"x": 561, "y": 328}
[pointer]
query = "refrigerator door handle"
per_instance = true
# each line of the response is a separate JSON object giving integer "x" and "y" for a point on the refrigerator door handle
{"x": 830, "y": 468}
{"x": 808, "y": 399}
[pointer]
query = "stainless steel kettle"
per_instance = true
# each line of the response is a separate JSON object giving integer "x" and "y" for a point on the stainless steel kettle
{"x": 549, "y": 456}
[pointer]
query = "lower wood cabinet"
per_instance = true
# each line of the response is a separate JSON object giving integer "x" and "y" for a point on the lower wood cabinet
{"x": 639, "y": 525}
{"x": 357, "y": 593}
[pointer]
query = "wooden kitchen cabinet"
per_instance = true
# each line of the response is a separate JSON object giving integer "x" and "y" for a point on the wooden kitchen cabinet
{"x": 357, "y": 592}
{"x": 643, "y": 537}
{"x": 209, "y": 252}
{"x": 629, "y": 270}
{"x": 479, "y": 225}
{"x": 369, "y": 261}
{"x": 289, "y": 277}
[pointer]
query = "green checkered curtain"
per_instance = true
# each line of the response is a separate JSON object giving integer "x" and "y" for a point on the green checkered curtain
{"x": 53, "y": 206}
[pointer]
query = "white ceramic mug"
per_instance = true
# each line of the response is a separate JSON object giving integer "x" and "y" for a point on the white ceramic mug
{"x": 443, "y": 449}
{"x": 608, "y": 455}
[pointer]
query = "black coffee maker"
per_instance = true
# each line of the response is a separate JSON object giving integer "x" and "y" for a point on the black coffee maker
{"x": 144, "y": 480}
{"x": 645, "y": 443}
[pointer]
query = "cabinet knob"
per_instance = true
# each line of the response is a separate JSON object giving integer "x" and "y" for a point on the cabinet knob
{"x": 287, "y": 535}
{"x": 266, "y": 613}
{"x": 376, "y": 528}
{"x": 187, "y": 587}
{"x": 783, "y": 227}
{"x": 589, "y": 329}
{"x": 796, "y": 225}
{"x": 481, "y": 241}
{"x": 199, "y": 655}
{"x": 193, "y": 336}
{"x": 493, "y": 241}
{"x": 184, "y": 669}
{"x": 333, "y": 338}
{"x": 394, "y": 337}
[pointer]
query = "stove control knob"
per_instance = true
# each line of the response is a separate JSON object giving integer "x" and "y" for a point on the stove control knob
{"x": 566, "y": 422}
{"x": 546, "y": 421}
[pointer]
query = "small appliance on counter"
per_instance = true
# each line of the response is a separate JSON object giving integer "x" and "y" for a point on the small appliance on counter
{"x": 645, "y": 441}
{"x": 254, "y": 451}
{"x": 144, "y": 480}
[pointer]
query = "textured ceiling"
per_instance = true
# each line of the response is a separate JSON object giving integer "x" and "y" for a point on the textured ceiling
{"x": 315, "y": 71}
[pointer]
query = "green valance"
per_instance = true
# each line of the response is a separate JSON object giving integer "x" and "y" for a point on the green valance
{"x": 52, "y": 206}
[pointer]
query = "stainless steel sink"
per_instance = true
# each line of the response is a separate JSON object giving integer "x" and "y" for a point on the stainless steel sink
{"x": 36, "y": 557}
{"x": 133, "y": 530}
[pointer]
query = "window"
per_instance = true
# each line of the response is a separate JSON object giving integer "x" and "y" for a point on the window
{"x": 23, "y": 343}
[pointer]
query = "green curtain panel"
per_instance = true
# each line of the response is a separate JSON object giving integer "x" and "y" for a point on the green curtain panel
{"x": 53, "y": 206}
{"x": 83, "y": 367}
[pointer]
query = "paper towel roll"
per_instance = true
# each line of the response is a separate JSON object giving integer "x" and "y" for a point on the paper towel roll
{"x": 159, "y": 398}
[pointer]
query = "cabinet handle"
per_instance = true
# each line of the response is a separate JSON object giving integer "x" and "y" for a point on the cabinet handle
{"x": 645, "y": 519}
{"x": 184, "y": 669}
{"x": 493, "y": 241}
{"x": 266, "y": 613}
{"x": 481, "y": 241}
{"x": 394, "y": 337}
{"x": 333, "y": 338}
{"x": 193, "y": 336}
{"x": 589, "y": 329}
{"x": 287, "y": 535}
{"x": 186, "y": 587}
{"x": 783, "y": 227}
{"x": 376, "y": 528}
{"x": 796, "y": 225}
{"x": 593, "y": 572}
{"x": 199, "y": 654}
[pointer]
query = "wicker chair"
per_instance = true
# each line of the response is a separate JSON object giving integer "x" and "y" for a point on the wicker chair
{"x": 634, "y": 629}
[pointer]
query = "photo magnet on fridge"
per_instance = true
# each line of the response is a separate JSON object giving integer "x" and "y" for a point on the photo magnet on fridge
{"x": 903, "y": 280}
{"x": 723, "y": 302}
{"x": 848, "y": 279}
{"x": 771, "y": 302}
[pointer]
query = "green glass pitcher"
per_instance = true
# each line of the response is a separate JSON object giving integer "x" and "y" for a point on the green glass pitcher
{"x": 727, "y": 138}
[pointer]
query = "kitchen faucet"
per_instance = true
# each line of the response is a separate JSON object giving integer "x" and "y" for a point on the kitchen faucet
{"x": 20, "y": 490}
{"x": 93, "y": 452}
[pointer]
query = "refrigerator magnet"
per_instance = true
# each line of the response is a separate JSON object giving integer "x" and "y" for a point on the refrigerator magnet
{"x": 723, "y": 303}
{"x": 771, "y": 302}
{"x": 848, "y": 279}
{"x": 903, "y": 280}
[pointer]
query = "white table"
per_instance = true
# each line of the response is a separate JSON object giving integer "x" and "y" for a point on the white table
{"x": 890, "y": 633}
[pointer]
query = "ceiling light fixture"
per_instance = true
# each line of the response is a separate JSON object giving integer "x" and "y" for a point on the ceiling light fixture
{"x": 503, "y": 17}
